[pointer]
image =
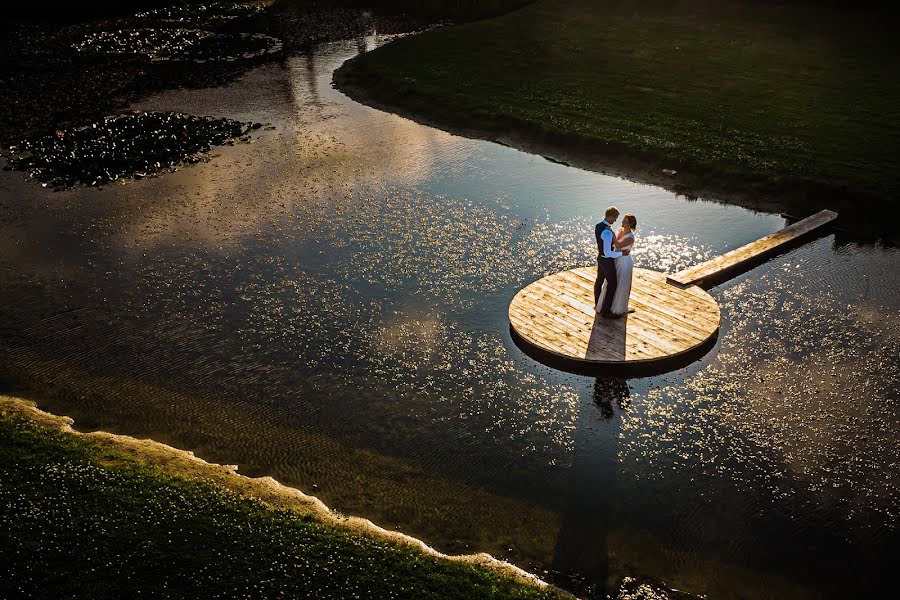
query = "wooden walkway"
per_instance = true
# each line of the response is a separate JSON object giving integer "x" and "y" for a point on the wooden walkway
{"x": 556, "y": 316}
{"x": 719, "y": 268}
{"x": 674, "y": 320}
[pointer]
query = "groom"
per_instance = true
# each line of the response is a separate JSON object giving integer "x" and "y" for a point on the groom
{"x": 606, "y": 264}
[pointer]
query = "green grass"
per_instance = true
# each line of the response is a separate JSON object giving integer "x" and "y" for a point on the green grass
{"x": 78, "y": 519}
{"x": 787, "y": 96}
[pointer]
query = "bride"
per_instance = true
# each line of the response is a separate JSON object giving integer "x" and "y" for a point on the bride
{"x": 624, "y": 266}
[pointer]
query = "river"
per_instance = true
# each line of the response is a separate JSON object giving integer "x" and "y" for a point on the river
{"x": 327, "y": 305}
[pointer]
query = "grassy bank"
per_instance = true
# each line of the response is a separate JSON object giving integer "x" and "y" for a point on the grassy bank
{"x": 85, "y": 516}
{"x": 788, "y": 100}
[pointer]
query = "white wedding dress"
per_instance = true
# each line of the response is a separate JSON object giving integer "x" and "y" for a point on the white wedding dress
{"x": 624, "y": 269}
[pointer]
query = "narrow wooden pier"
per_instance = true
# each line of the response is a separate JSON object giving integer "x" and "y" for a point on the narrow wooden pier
{"x": 731, "y": 263}
{"x": 674, "y": 320}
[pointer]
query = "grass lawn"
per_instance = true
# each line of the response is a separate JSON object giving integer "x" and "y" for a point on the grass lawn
{"x": 788, "y": 98}
{"x": 81, "y": 519}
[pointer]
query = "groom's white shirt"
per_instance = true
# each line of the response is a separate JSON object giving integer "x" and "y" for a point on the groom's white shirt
{"x": 606, "y": 237}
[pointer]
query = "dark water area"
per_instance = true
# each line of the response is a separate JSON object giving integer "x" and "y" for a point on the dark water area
{"x": 327, "y": 305}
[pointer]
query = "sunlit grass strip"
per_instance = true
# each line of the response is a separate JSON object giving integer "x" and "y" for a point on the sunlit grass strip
{"x": 81, "y": 516}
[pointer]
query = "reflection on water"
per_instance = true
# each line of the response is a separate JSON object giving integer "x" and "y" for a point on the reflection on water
{"x": 328, "y": 305}
{"x": 582, "y": 544}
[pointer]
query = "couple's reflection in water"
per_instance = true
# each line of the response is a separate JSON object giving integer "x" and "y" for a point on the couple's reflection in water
{"x": 611, "y": 395}
{"x": 581, "y": 556}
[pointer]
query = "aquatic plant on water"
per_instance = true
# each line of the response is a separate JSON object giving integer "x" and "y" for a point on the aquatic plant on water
{"x": 178, "y": 44}
{"x": 211, "y": 13}
{"x": 123, "y": 146}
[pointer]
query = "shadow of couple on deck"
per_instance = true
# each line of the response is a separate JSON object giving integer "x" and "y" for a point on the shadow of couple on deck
{"x": 607, "y": 341}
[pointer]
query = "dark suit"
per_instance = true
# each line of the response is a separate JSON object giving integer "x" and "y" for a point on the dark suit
{"x": 606, "y": 271}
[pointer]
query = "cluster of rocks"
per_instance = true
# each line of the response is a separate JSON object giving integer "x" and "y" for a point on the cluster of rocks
{"x": 632, "y": 588}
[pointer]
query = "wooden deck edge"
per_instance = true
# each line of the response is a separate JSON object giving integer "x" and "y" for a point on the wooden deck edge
{"x": 630, "y": 368}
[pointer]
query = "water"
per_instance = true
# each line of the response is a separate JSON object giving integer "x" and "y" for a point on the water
{"x": 327, "y": 305}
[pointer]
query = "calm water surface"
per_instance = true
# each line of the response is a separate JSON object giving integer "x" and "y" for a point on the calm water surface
{"x": 327, "y": 305}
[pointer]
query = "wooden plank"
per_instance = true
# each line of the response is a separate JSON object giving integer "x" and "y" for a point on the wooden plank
{"x": 566, "y": 332}
{"x": 553, "y": 346}
{"x": 654, "y": 294}
{"x": 550, "y": 316}
{"x": 569, "y": 297}
{"x": 548, "y": 339}
{"x": 654, "y": 286}
{"x": 609, "y": 334}
{"x": 646, "y": 331}
{"x": 616, "y": 336}
{"x": 673, "y": 323}
{"x": 735, "y": 259}
{"x": 556, "y": 311}
{"x": 697, "y": 318}
{"x": 557, "y": 329}
{"x": 562, "y": 304}
{"x": 586, "y": 286}
{"x": 599, "y": 349}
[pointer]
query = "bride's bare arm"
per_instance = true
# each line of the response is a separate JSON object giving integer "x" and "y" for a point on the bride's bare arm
{"x": 620, "y": 241}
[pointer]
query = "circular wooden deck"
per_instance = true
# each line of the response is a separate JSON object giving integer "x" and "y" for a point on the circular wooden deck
{"x": 555, "y": 316}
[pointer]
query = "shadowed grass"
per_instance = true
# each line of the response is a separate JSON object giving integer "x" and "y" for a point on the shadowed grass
{"x": 78, "y": 519}
{"x": 790, "y": 97}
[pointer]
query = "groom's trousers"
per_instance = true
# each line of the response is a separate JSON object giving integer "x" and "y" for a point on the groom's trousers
{"x": 606, "y": 271}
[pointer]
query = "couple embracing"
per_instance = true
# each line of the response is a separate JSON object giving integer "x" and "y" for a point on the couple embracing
{"x": 614, "y": 264}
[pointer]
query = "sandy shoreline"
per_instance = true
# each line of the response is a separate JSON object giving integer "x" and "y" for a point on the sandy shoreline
{"x": 267, "y": 489}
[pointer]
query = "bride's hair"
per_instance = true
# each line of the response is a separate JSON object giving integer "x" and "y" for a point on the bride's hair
{"x": 632, "y": 220}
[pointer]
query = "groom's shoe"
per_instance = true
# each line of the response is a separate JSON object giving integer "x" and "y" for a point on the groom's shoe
{"x": 609, "y": 315}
